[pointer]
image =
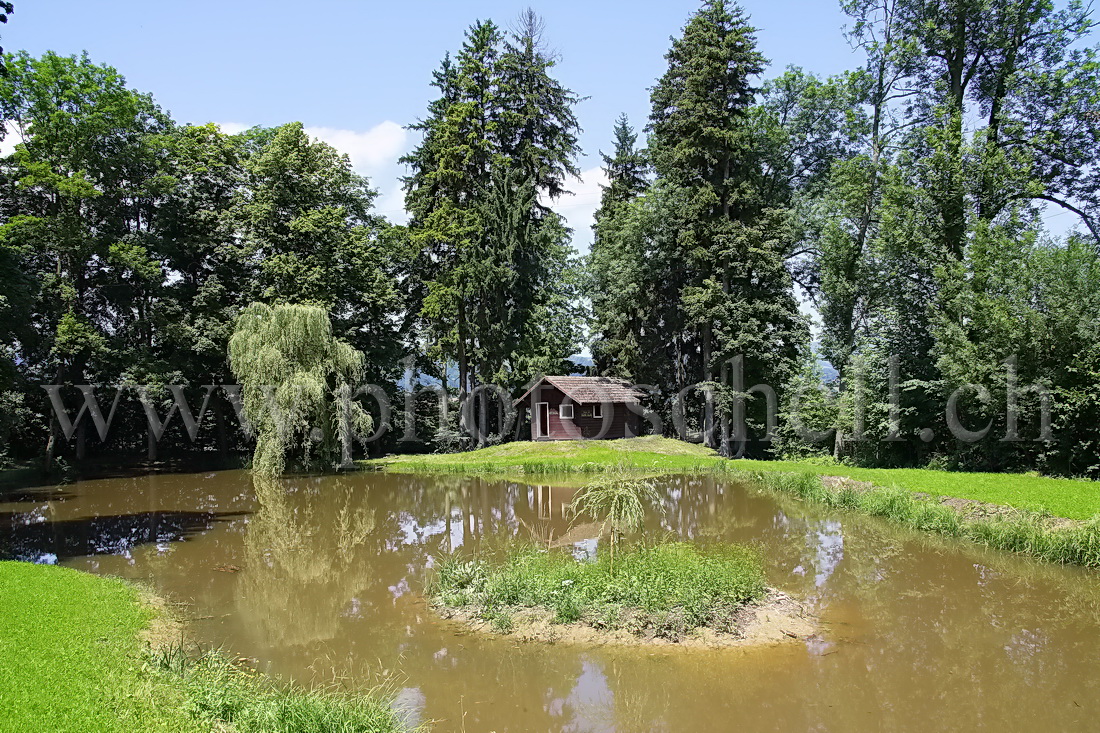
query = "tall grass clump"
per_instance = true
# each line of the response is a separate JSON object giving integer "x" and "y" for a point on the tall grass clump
{"x": 226, "y": 696}
{"x": 664, "y": 590}
{"x": 1015, "y": 530}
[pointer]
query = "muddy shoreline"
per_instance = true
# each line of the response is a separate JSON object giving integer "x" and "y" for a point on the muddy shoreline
{"x": 776, "y": 619}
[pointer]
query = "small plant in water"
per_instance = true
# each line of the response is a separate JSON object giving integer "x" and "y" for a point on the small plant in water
{"x": 620, "y": 502}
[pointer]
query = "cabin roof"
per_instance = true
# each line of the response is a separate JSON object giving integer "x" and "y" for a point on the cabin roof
{"x": 591, "y": 389}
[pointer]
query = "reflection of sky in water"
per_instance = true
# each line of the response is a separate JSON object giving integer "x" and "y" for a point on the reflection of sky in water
{"x": 458, "y": 528}
{"x": 589, "y": 700}
{"x": 400, "y": 589}
{"x": 409, "y": 703}
{"x": 413, "y": 533}
{"x": 830, "y": 550}
{"x": 585, "y": 549}
{"x": 1024, "y": 644}
{"x": 353, "y": 610}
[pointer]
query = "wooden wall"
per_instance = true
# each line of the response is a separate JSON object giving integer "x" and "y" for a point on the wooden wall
{"x": 620, "y": 422}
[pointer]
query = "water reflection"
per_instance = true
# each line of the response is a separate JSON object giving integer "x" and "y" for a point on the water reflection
{"x": 36, "y": 537}
{"x": 323, "y": 581}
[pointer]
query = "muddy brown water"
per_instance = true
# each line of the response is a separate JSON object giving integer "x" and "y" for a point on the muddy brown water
{"x": 320, "y": 580}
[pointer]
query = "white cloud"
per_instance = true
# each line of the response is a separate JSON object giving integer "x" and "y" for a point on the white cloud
{"x": 373, "y": 153}
{"x": 579, "y": 207}
{"x": 12, "y": 137}
{"x": 371, "y": 150}
{"x": 232, "y": 128}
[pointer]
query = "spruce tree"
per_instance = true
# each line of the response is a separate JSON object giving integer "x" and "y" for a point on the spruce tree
{"x": 735, "y": 288}
{"x": 615, "y": 271}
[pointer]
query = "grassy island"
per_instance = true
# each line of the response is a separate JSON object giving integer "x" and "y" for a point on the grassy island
{"x": 665, "y": 591}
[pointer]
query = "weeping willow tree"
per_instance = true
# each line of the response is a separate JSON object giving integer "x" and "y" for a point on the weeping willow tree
{"x": 621, "y": 503}
{"x": 296, "y": 386}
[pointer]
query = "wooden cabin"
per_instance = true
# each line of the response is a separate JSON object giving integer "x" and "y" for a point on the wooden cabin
{"x": 588, "y": 408}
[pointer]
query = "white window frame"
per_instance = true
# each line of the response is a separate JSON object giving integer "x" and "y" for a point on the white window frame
{"x": 562, "y": 408}
{"x": 597, "y": 410}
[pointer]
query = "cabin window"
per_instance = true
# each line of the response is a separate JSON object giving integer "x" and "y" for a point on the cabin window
{"x": 567, "y": 412}
{"x": 597, "y": 410}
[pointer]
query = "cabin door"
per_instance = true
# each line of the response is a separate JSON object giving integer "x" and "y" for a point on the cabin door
{"x": 542, "y": 419}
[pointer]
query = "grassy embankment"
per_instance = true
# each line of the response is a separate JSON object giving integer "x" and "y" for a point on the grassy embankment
{"x": 917, "y": 498}
{"x": 664, "y": 591}
{"x": 72, "y": 658}
{"x": 1070, "y": 498}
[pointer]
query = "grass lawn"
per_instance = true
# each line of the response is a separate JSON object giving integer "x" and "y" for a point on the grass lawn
{"x": 563, "y": 456}
{"x": 72, "y": 659}
{"x": 1071, "y": 498}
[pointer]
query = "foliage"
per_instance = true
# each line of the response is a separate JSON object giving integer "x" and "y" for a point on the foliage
{"x": 664, "y": 590}
{"x": 932, "y": 246}
{"x": 132, "y": 243}
{"x": 495, "y": 282}
{"x": 296, "y": 381}
{"x": 704, "y": 251}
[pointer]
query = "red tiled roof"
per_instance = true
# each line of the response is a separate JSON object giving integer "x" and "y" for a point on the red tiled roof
{"x": 591, "y": 389}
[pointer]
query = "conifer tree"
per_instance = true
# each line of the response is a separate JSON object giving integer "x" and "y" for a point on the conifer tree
{"x": 615, "y": 272}
{"x": 735, "y": 288}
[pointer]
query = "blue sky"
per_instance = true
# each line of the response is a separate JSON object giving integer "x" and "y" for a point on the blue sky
{"x": 356, "y": 72}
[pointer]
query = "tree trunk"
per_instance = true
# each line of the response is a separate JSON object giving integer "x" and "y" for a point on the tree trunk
{"x": 463, "y": 372}
{"x": 708, "y": 396}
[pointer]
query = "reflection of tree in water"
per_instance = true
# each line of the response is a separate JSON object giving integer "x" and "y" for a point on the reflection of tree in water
{"x": 933, "y": 630}
{"x": 304, "y": 559}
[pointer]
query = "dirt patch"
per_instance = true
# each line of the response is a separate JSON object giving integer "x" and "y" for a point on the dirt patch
{"x": 973, "y": 510}
{"x": 776, "y": 619}
{"x": 167, "y": 628}
{"x": 843, "y": 482}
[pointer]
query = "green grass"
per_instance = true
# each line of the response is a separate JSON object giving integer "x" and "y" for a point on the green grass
{"x": 1021, "y": 531}
{"x": 71, "y": 659}
{"x": 1070, "y": 498}
{"x": 220, "y": 692}
{"x": 665, "y": 590}
{"x": 564, "y": 456}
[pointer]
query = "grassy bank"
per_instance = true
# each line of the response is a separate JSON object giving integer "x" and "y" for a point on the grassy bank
{"x": 1070, "y": 498}
{"x": 1025, "y": 532}
{"x": 664, "y": 591}
{"x": 72, "y": 659}
{"x": 220, "y": 693}
{"x": 1062, "y": 497}
{"x": 565, "y": 456}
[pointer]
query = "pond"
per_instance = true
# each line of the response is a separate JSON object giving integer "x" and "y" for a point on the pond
{"x": 321, "y": 580}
